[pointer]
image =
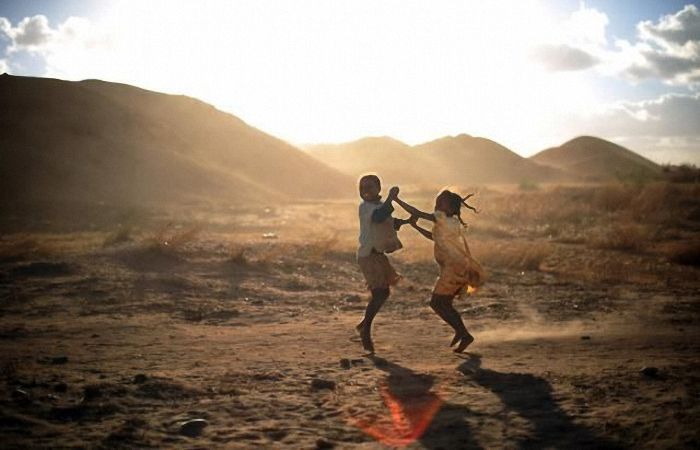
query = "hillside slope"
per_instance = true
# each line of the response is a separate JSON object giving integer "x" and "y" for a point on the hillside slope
{"x": 108, "y": 142}
{"x": 595, "y": 159}
{"x": 458, "y": 159}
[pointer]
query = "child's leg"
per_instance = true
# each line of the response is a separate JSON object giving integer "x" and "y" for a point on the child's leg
{"x": 465, "y": 338}
{"x": 442, "y": 305}
{"x": 379, "y": 296}
{"x": 437, "y": 303}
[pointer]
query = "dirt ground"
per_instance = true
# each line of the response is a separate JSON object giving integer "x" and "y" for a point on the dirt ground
{"x": 116, "y": 338}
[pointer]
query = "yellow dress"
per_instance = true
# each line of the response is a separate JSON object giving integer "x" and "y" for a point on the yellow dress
{"x": 458, "y": 269}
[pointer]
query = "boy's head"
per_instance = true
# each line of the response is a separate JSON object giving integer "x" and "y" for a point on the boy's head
{"x": 370, "y": 187}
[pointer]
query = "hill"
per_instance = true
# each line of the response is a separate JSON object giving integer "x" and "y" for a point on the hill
{"x": 461, "y": 159}
{"x": 595, "y": 159}
{"x": 394, "y": 160}
{"x": 103, "y": 142}
{"x": 469, "y": 159}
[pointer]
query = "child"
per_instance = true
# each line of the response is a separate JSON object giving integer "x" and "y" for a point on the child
{"x": 377, "y": 237}
{"x": 458, "y": 270}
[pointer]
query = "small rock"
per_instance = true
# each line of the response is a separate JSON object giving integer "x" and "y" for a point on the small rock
{"x": 140, "y": 378}
{"x": 193, "y": 427}
{"x": 59, "y": 360}
{"x": 651, "y": 372}
{"x": 585, "y": 338}
{"x": 324, "y": 444}
{"x": 60, "y": 387}
{"x": 269, "y": 236}
{"x": 21, "y": 396}
{"x": 352, "y": 299}
{"x": 318, "y": 384}
{"x": 345, "y": 363}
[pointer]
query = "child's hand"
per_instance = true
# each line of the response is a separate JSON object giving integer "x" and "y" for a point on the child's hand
{"x": 398, "y": 223}
{"x": 394, "y": 192}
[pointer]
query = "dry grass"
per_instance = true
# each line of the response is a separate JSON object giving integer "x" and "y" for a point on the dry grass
{"x": 119, "y": 236}
{"x": 237, "y": 254}
{"x": 24, "y": 248}
{"x": 622, "y": 236}
{"x": 172, "y": 239}
{"x": 511, "y": 255}
{"x": 320, "y": 247}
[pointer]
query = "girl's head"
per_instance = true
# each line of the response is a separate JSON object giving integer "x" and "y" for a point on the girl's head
{"x": 451, "y": 203}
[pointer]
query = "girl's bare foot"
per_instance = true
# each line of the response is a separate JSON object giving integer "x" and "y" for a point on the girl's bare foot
{"x": 367, "y": 343}
{"x": 464, "y": 343}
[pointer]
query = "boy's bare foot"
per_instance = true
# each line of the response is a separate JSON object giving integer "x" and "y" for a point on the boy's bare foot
{"x": 464, "y": 343}
{"x": 455, "y": 339}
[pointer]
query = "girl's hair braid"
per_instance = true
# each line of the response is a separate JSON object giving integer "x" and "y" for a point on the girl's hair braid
{"x": 456, "y": 202}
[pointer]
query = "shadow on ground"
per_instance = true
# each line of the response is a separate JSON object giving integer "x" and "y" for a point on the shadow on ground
{"x": 419, "y": 413}
{"x": 530, "y": 397}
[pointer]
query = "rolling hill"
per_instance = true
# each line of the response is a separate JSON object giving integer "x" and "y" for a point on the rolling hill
{"x": 394, "y": 160}
{"x": 595, "y": 159}
{"x": 105, "y": 142}
{"x": 461, "y": 159}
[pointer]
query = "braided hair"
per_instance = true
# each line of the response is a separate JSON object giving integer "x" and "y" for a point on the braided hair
{"x": 455, "y": 202}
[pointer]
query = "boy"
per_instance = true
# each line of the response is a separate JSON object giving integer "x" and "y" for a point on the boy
{"x": 377, "y": 237}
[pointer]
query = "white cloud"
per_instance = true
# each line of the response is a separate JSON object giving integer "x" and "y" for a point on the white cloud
{"x": 668, "y": 115}
{"x": 664, "y": 129}
{"x": 675, "y": 29}
{"x": 563, "y": 57}
{"x": 586, "y": 27}
{"x": 29, "y": 34}
{"x": 667, "y": 149}
{"x": 574, "y": 43}
{"x": 4, "y": 68}
{"x": 74, "y": 49}
{"x": 668, "y": 50}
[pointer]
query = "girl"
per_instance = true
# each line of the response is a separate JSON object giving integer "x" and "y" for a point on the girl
{"x": 458, "y": 270}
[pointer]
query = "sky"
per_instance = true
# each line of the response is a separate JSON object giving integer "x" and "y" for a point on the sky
{"x": 528, "y": 74}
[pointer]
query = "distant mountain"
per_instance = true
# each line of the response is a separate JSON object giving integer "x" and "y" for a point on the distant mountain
{"x": 108, "y": 142}
{"x": 394, "y": 160}
{"x": 461, "y": 159}
{"x": 594, "y": 159}
{"x": 468, "y": 159}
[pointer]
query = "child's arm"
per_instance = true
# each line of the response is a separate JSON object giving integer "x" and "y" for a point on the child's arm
{"x": 382, "y": 213}
{"x": 398, "y": 223}
{"x": 413, "y": 211}
{"x": 414, "y": 223}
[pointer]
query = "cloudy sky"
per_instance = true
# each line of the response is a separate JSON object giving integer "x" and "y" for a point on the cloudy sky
{"x": 528, "y": 74}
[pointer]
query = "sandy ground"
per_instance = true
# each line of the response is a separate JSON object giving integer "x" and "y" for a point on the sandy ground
{"x": 119, "y": 345}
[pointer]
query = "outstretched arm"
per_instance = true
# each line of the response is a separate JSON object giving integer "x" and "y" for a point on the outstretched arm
{"x": 382, "y": 213}
{"x": 413, "y": 211}
{"x": 398, "y": 223}
{"x": 414, "y": 223}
